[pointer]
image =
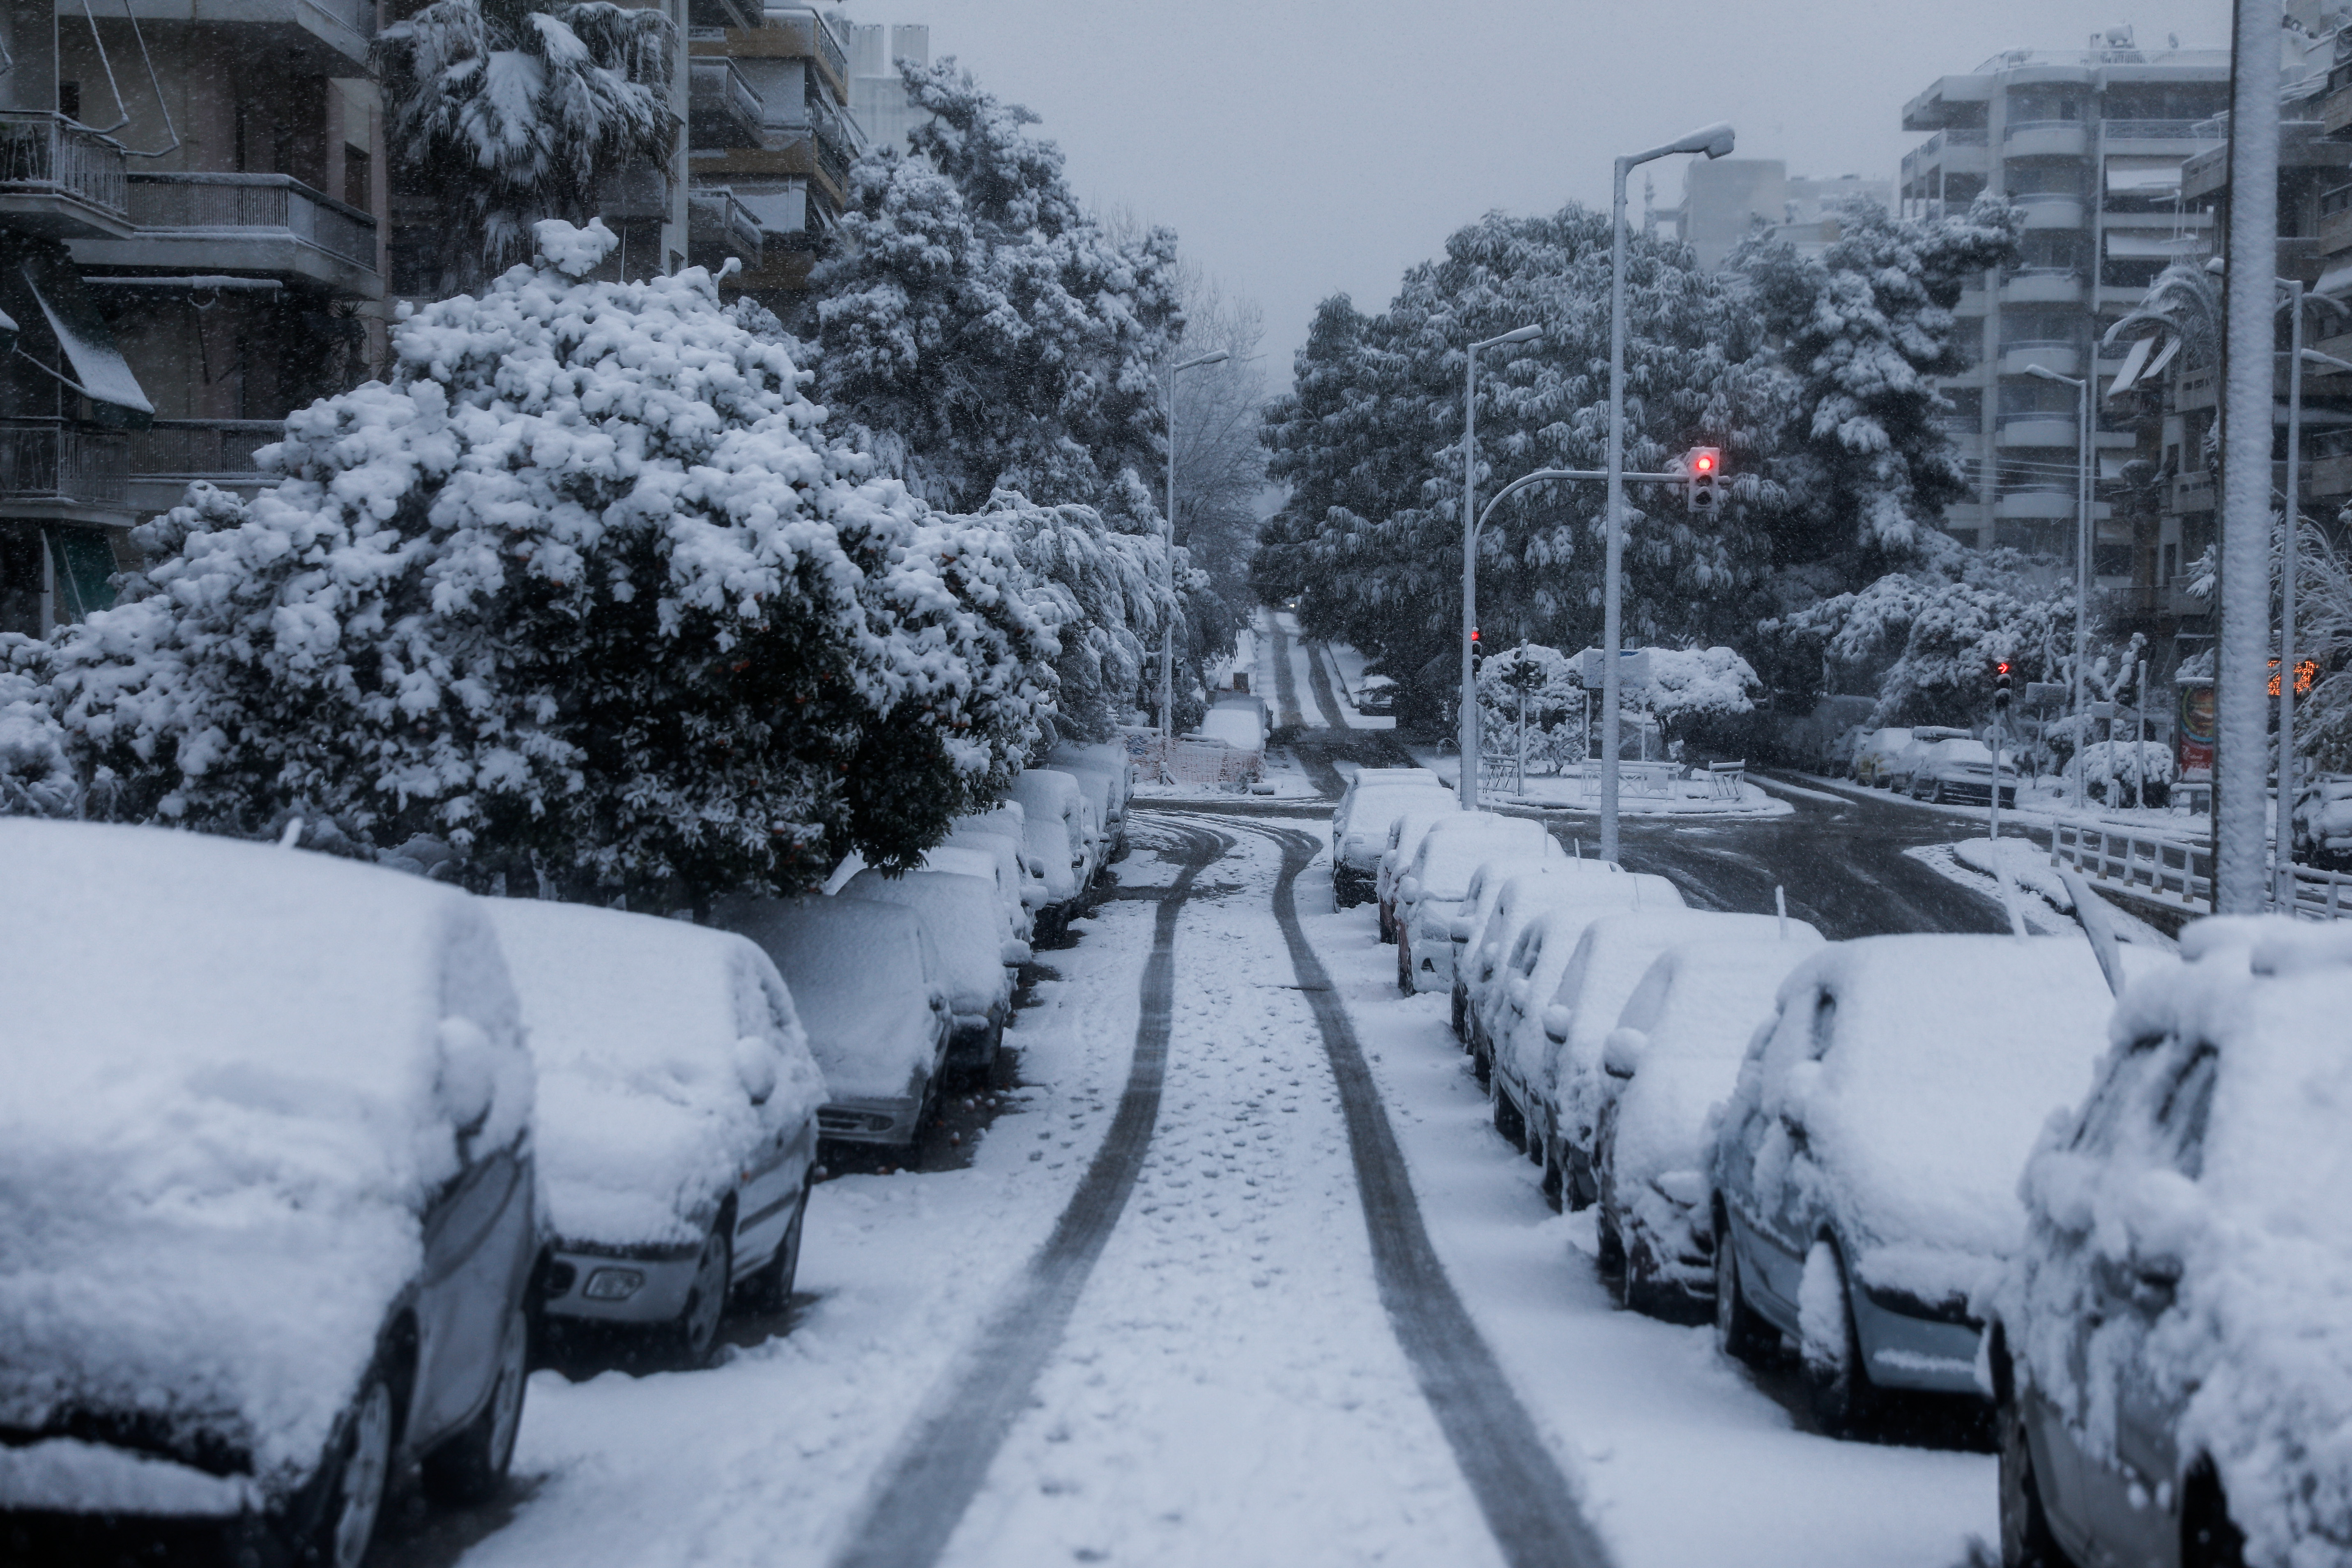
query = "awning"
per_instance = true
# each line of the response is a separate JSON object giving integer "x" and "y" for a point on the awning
{"x": 2141, "y": 245}
{"x": 2133, "y": 363}
{"x": 93, "y": 365}
{"x": 2144, "y": 176}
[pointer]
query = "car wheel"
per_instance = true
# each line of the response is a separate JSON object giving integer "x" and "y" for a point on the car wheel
{"x": 471, "y": 1466}
{"x": 356, "y": 1480}
{"x": 694, "y": 1334}
{"x": 770, "y": 1290}
{"x": 1482, "y": 1064}
{"x": 1554, "y": 1183}
{"x": 1461, "y": 1024}
{"x": 1613, "y": 1244}
{"x": 1740, "y": 1333}
{"x": 1936, "y": 792}
{"x": 2025, "y": 1538}
{"x": 1844, "y": 1399}
{"x": 1509, "y": 1122}
{"x": 1404, "y": 968}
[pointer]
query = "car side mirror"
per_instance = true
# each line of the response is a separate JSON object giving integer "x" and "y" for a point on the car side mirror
{"x": 468, "y": 1086}
{"x": 1621, "y": 1053}
{"x": 755, "y": 1069}
{"x": 1556, "y": 1021}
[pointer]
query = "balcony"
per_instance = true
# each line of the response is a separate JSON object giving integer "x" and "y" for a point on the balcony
{"x": 59, "y": 181}
{"x": 2193, "y": 492}
{"x": 638, "y": 192}
{"x": 2039, "y": 501}
{"x": 2049, "y": 209}
{"x": 2042, "y": 286}
{"x": 2038, "y": 431}
{"x": 719, "y": 226}
{"x": 795, "y": 34}
{"x": 2062, "y": 356}
{"x": 64, "y": 473}
{"x": 1958, "y": 151}
{"x": 268, "y": 224}
{"x": 2167, "y": 133}
{"x": 722, "y": 109}
{"x": 2044, "y": 139}
{"x": 301, "y": 28}
{"x": 786, "y": 155}
{"x": 165, "y": 457}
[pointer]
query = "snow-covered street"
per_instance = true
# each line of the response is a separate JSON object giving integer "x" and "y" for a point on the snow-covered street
{"x": 1147, "y": 1324}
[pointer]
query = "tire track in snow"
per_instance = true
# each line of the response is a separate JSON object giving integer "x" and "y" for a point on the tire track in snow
{"x": 922, "y": 1492}
{"x": 1285, "y": 680}
{"x": 1318, "y": 681}
{"x": 1528, "y": 1504}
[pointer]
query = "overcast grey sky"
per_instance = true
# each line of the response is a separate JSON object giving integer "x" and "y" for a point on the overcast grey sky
{"x": 1300, "y": 147}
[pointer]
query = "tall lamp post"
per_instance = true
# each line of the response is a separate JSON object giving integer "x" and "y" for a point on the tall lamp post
{"x": 1467, "y": 793}
{"x": 2082, "y": 537}
{"x": 1168, "y": 627}
{"x": 1716, "y": 142}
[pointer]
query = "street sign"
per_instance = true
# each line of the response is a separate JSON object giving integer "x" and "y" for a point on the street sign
{"x": 1632, "y": 667}
{"x": 2045, "y": 691}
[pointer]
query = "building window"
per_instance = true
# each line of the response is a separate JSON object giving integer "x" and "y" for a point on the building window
{"x": 70, "y": 99}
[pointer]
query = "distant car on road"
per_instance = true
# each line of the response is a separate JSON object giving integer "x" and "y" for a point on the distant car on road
{"x": 869, "y": 990}
{"x": 1961, "y": 770}
{"x": 1873, "y": 756}
{"x": 2171, "y": 1359}
{"x": 1863, "y": 1178}
{"x": 676, "y": 1120}
{"x": 266, "y": 1184}
{"x": 1376, "y": 697}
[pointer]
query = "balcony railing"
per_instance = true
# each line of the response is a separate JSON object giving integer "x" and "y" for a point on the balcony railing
{"x": 46, "y": 153}
{"x": 2160, "y": 131}
{"x": 201, "y": 447}
{"x": 719, "y": 226}
{"x": 2017, "y": 128}
{"x": 720, "y": 98}
{"x": 52, "y": 461}
{"x": 816, "y": 33}
{"x": 230, "y": 204}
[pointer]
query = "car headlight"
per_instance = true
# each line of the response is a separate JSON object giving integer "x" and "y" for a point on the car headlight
{"x": 613, "y": 1284}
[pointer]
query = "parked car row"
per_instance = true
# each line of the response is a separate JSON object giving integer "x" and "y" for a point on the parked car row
{"x": 1948, "y": 1165}
{"x": 302, "y": 1157}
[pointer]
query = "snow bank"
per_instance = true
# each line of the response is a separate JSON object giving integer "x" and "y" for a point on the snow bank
{"x": 1945, "y": 1055}
{"x": 651, "y": 1039}
{"x": 862, "y": 975}
{"x": 2028, "y": 866}
{"x": 2215, "y": 1142}
{"x": 236, "y": 1075}
{"x": 962, "y": 916}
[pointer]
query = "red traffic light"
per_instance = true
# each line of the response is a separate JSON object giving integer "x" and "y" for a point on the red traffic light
{"x": 2001, "y": 668}
{"x": 1473, "y": 634}
{"x": 1704, "y": 462}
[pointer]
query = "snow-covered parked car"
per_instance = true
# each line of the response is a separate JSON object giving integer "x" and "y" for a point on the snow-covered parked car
{"x": 1001, "y": 831}
{"x": 1412, "y": 822}
{"x": 1108, "y": 774}
{"x": 676, "y": 1120}
{"x": 871, "y": 996}
{"x": 1360, "y": 822}
{"x": 2171, "y": 1357}
{"x": 266, "y": 1186}
{"x": 2323, "y": 823}
{"x": 1959, "y": 769}
{"x": 1864, "y": 1175}
{"x": 1874, "y": 755}
{"x": 963, "y": 918}
{"x": 1675, "y": 1055}
{"x": 1480, "y": 902}
{"x": 996, "y": 864}
{"x": 1435, "y": 887}
{"x": 1489, "y": 1011}
{"x": 1376, "y": 697}
{"x": 1057, "y": 831}
{"x": 1897, "y": 771}
{"x": 1566, "y": 1092}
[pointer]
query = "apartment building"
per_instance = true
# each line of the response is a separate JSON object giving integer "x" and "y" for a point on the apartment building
{"x": 190, "y": 202}
{"x": 769, "y": 142}
{"x": 1727, "y": 200}
{"x": 879, "y": 99}
{"x": 2090, "y": 144}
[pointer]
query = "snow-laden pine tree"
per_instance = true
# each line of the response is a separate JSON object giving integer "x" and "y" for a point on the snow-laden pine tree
{"x": 976, "y": 317}
{"x": 1369, "y": 542}
{"x": 1864, "y": 328}
{"x": 37, "y": 777}
{"x": 503, "y": 113}
{"x": 584, "y": 588}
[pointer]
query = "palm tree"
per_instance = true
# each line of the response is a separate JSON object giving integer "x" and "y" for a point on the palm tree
{"x": 509, "y": 111}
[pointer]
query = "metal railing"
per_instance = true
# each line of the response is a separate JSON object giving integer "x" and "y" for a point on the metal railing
{"x": 816, "y": 33}
{"x": 204, "y": 447}
{"x": 2159, "y": 131}
{"x": 229, "y": 204}
{"x": 716, "y": 87}
{"x": 47, "y": 153}
{"x": 2017, "y": 128}
{"x": 717, "y": 219}
{"x": 50, "y": 460}
{"x": 2182, "y": 873}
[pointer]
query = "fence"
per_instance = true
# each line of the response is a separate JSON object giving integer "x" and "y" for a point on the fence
{"x": 2180, "y": 873}
{"x": 1194, "y": 762}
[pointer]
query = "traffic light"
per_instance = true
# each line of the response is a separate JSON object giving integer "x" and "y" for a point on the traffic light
{"x": 1477, "y": 652}
{"x": 2001, "y": 673}
{"x": 1703, "y": 467}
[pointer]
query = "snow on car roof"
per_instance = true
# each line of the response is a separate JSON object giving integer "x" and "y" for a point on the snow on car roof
{"x": 1947, "y": 1053}
{"x": 966, "y": 923}
{"x": 235, "y": 1078}
{"x": 651, "y": 1036}
{"x": 860, "y": 980}
{"x": 1451, "y": 852}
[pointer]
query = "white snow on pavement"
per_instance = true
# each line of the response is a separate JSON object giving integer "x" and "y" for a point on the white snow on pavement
{"x": 1310, "y": 712}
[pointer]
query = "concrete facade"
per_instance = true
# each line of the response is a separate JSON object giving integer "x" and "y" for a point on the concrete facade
{"x": 1726, "y": 200}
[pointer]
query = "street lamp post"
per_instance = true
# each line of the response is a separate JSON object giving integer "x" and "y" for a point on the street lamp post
{"x": 1716, "y": 142}
{"x": 1168, "y": 627}
{"x": 2084, "y": 532}
{"x": 1467, "y": 793}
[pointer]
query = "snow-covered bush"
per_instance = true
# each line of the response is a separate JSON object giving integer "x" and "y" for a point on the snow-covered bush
{"x": 583, "y": 587}
{"x": 2109, "y": 765}
{"x": 37, "y": 778}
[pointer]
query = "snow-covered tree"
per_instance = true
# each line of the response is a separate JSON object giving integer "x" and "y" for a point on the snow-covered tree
{"x": 1369, "y": 540}
{"x": 981, "y": 324}
{"x": 1864, "y": 328}
{"x": 507, "y": 111}
{"x": 2323, "y": 632}
{"x": 37, "y": 777}
{"x": 585, "y": 588}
